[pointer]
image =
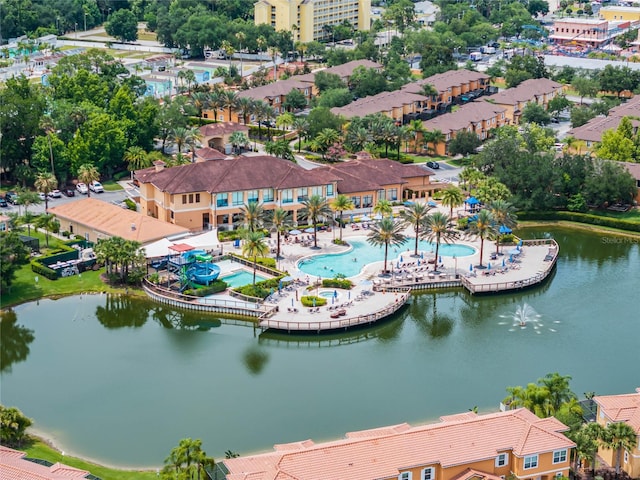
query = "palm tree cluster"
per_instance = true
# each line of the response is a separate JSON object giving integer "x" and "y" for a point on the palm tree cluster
{"x": 123, "y": 259}
{"x": 187, "y": 461}
{"x": 488, "y": 222}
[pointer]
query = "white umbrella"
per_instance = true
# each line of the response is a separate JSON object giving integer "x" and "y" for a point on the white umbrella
{"x": 295, "y": 232}
{"x": 365, "y": 218}
{"x": 377, "y": 217}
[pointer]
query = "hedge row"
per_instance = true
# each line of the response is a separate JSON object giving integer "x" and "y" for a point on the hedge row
{"x": 588, "y": 218}
{"x": 313, "y": 301}
{"x": 214, "y": 287}
{"x": 37, "y": 267}
{"x": 337, "y": 283}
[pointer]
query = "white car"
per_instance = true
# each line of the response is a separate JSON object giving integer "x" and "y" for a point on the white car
{"x": 55, "y": 194}
{"x": 96, "y": 187}
{"x": 82, "y": 188}
{"x": 41, "y": 195}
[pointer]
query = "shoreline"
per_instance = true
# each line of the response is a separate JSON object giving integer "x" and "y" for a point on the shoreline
{"x": 49, "y": 440}
{"x": 579, "y": 226}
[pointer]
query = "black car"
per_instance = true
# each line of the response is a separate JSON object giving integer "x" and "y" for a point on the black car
{"x": 11, "y": 197}
{"x": 433, "y": 165}
{"x": 3, "y": 203}
{"x": 68, "y": 192}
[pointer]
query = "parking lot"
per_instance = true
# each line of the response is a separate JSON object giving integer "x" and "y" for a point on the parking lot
{"x": 114, "y": 197}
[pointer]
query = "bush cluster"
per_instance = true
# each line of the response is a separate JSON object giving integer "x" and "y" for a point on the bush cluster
{"x": 591, "y": 219}
{"x": 215, "y": 287}
{"x": 337, "y": 283}
{"x": 308, "y": 301}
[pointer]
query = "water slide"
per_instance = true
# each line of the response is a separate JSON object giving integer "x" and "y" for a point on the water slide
{"x": 203, "y": 273}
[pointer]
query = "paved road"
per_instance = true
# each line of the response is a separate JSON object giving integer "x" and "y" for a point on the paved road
{"x": 115, "y": 197}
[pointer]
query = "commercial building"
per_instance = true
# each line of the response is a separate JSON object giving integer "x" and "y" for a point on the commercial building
{"x": 618, "y": 12}
{"x": 621, "y": 408}
{"x": 588, "y": 32}
{"x": 460, "y": 447}
{"x": 310, "y": 20}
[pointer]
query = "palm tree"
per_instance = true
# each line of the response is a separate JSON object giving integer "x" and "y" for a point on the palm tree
{"x": 216, "y": 102}
{"x": 619, "y": 436}
{"x": 46, "y": 123}
{"x": 436, "y": 137}
{"x": 438, "y": 230}
{"x": 245, "y": 106}
{"x": 46, "y": 182}
{"x": 200, "y": 102}
{"x": 192, "y": 139}
{"x": 49, "y": 223}
{"x": 284, "y": 120}
{"x": 88, "y": 173}
{"x": 179, "y": 137}
{"x": 301, "y": 126}
{"x": 137, "y": 158}
{"x": 415, "y": 215}
{"x": 230, "y": 99}
{"x": 254, "y": 246}
{"x": 315, "y": 208}
{"x": 278, "y": 220}
{"x": 384, "y": 208}
{"x": 416, "y": 128}
{"x": 504, "y": 214}
{"x": 384, "y": 233}
{"x": 587, "y": 440}
{"x": 238, "y": 139}
{"x": 341, "y": 204}
{"x": 484, "y": 227}
{"x": 452, "y": 196}
{"x": 253, "y": 215}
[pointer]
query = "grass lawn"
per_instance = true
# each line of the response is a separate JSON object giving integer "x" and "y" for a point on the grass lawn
{"x": 111, "y": 186}
{"x": 632, "y": 215}
{"x": 144, "y": 35}
{"x": 426, "y": 158}
{"x": 39, "y": 449}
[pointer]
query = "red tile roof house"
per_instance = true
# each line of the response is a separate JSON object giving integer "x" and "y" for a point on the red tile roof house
{"x": 621, "y": 408}
{"x": 395, "y": 105}
{"x": 15, "y": 466}
{"x": 463, "y": 446}
{"x": 217, "y": 135}
{"x": 479, "y": 117}
{"x": 634, "y": 170}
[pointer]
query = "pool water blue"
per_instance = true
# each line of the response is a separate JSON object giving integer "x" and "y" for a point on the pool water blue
{"x": 351, "y": 263}
{"x": 326, "y": 294}
{"x": 241, "y": 278}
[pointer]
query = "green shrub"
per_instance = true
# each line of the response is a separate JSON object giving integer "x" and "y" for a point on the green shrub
{"x": 463, "y": 223}
{"x": 307, "y": 301}
{"x": 154, "y": 278}
{"x": 215, "y": 287}
{"x": 590, "y": 219}
{"x": 264, "y": 261}
{"x": 37, "y": 267}
{"x": 66, "y": 234}
{"x": 120, "y": 175}
{"x": 131, "y": 205}
{"x": 337, "y": 283}
{"x": 507, "y": 238}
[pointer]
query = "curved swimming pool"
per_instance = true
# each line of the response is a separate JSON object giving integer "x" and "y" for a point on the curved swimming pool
{"x": 351, "y": 262}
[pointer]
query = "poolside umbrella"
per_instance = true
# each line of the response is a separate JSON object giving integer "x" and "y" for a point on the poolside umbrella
{"x": 520, "y": 243}
{"x": 349, "y": 295}
{"x": 279, "y": 286}
{"x": 504, "y": 229}
{"x": 295, "y": 232}
{"x": 286, "y": 279}
{"x": 503, "y": 264}
{"x": 351, "y": 218}
{"x": 422, "y": 255}
{"x": 511, "y": 258}
{"x": 292, "y": 302}
{"x": 488, "y": 265}
{"x": 335, "y": 294}
{"x": 471, "y": 267}
{"x": 309, "y": 230}
{"x": 419, "y": 261}
{"x": 440, "y": 259}
{"x": 314, "y": 301}
{"x": 401, "y": 259}
{"x": 514, "y": 251}
{"x": 431, "y": 203}
{"x": 365, "y": 218}
{"x": 377, "y": 217}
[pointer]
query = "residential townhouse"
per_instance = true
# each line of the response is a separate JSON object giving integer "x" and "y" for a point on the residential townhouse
{"x": 15, "y": 464}
{"x": 634, "y": 170}
{"x": 536, "y": 90}
{"x": 621, "y": 408}
{"x": 397, "y": 105}
{"x": 479, "y": 117}
{"x": 589, "y": 135}
{"x": 217, "y": 136}
{"x": 460, "y": 447}
{"x": 206, "y": 195}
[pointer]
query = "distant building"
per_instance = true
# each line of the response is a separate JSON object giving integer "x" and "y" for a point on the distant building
{"x": 618, "y": 12}
{"x": 466, "y": 446}
{"x": 588, "y": 32}
{"x": 310, "y": 20}
{"x": 15, "y": 465}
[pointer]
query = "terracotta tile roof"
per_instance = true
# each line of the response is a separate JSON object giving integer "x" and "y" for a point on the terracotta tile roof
{"x": 633, "y": 168}
{"x": 382, "y": 453}
{"x": 115, "y": 221}
{"x": 208, "y": 153}
{"x": 465, "y": 116}
{"x": 382, "y": 102}
{"x": 525, "y": 92}
{"x": 222, "y": 128}
{"x": 275, "y": 89}
{"x": 592, "y": 130}
{"x": 621, "y": 408}
{"x": 237, "y": 174}
{"x": 365, "y": 175}
{"x": 444, "y": 81}
{"x": 14, "y": 467}
{"x": 345, "y": 70}
{"x": 471, "y": 474}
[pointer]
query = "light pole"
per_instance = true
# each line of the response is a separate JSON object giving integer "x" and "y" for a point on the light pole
{"x": 455, "y": 268}
{"x": 75, "y": 29}
{"x": 85, "y": 21}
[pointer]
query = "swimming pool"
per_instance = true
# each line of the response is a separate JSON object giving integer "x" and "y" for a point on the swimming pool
{"x": 241, "y": 278}
{"x": 350, "y": 263}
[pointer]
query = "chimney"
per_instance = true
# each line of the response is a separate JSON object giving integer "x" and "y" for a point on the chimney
{"x": 159, "y": 164}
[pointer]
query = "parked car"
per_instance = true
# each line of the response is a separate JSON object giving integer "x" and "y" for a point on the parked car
{"x": 42, "y": 196}
{"x": 68, "y": 192}
{"x": 11, "y": 197}
{"x": 55, "y": 194}
{"x": 82, "y": 188}
{"x": 433, "y": 165}
{"x": 96, "y": 187}
{"x": 3, "y": 202}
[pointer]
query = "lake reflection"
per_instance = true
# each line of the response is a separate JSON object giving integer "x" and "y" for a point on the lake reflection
{"x": 126, "y": 378}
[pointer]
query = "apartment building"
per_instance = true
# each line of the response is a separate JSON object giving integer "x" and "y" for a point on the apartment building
{"x": 15, "y": 464}
{"x": 312, "y": 19}
{"x": 621, "y": 408}
{"x": 619, "y": 12}
{"x": 397, "y": 105}
{"x": 580, "y": 31}
{"x": 459, "y": 447}
{"x": 537, "y": 90}
{"x": 479, "y": 117}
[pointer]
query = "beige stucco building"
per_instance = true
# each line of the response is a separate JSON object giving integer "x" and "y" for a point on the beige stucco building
{"x": 307, "y": 18}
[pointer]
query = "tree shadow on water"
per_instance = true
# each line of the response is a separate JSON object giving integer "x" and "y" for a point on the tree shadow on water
{"x": 14, "y": 341}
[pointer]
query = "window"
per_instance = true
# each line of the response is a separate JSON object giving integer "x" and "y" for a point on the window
{"x": 428, "y": 474}
{"x": 530, "y": 462}
{"x": 302, "y": 194}
{"x": 287, "y": 196}
{"x": 330, "y": 190}
{"x": 171, "y": 214}
{"x": 502, "y": 460}
{"x": 222, "y": 200}
{"x": 404, "y": 476}
{"x": 197, "y": 198}
{"x": 316, "y": 191}
{"x": 191, "y": 198}
{"x": 381, "y": 195}
{"x": 392, "y": 194}
{"x": 252, "y": 196}
{"x": 267, "y": 195}
{"x": 237, "y": 198}
{"x": 356, "y": 202}
{"x": 559, "y": 475}
{"x": 626, "y": 457}
{"x": 367, "y": 201}
{"x": 560, "y": 456}
{"x": 184, "y": 199}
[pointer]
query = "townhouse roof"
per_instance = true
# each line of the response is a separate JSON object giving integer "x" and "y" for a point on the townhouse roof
{"x": 371, "y": 174}
{"x": 345, "y": 70}
{"x": 468, "y": 114}
{"x": 114, "y": 221}
{"x": 13, "y": 466}
{"x": 621, "y": 408}
{"x": 208, "y": 153}
{"x": 382, "y": 102}
{"x": 384, "y": 452}
{"x": 444, "y": 81}
{"x": 525, "y": 92}
{"x": 592, "y": 130}
{"x": 275, "y": 89}
{"x": 233, "y": 175}
{"x": 222, "y": 128}
{"x": 633, "y": 169}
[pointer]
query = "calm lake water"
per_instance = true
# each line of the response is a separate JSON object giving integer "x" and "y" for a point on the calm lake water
{"x": 122, "y": 380}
